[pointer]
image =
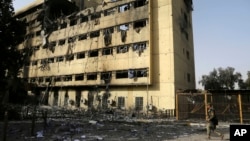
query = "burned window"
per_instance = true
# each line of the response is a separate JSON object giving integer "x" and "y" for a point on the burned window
{"x": 95, "y": 16}
{"x": 34, "y": 63}
{"x": 73, "y": 22}
{"x": 141, "y": 73}
{"x": 61, "y": 42}
{"x": 122, "y": 49}
{"x": 51, "y": 60}
{"x": 71, "y": 39}
{"x": 83, "y": 19}
{"x": 82, "y": 37}
{"x": 59, "y": 59}
{"x": 80, "y": 55}
{"x": 121, "y": 74}
{"x": 94, "y": 34}
{"x": 107, "y": 51}
{"x": 79, "y": 77}
{"x": 140, "y": 47}
{"x": 93, "y": 53}
{"x": 48, "y": 79}
{"x": 140, "y": 24}
{"x": 108, "y": 30}
{"x": 38, "y": 33}
{"x": 187, "y": 54}
{"x": 44, "y": 61}
{"x": 52, "y": 44}
{"x": 121, "y": 102}
{"x": 109, "y": 11}
{"x": 32, "y": 80}
{"x": 92, "y": 76}
{"x": 138, "y": 103}
{"x": 139, "y": 3}
{"x": 63, "y": 25}
{"x": 58, "y": 79}
{"x": 67, "y": 78}
{"x": 36, "y": 48}
{"x": 69, "y": 57}
{"x": 106, "y": 75}
{"x": 124, "y": 8}
{"x": 40, "y": 80}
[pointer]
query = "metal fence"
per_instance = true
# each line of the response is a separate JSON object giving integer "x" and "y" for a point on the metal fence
{"x": 230, "y": 105}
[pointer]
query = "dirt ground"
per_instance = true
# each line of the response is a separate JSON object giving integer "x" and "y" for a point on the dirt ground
{"x": 93, "y": 130}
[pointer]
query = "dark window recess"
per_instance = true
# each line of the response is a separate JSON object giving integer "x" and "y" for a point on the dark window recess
{"x": 93, "y": 53}
{"x": 188, "y": 77}
{"x": 71, "y": 39}
{"x": 61, "y": 42}
{"x": 140, "y": 47}
{"x": 82, "y": 37}
{"x": 124, "y": 8}
{"x": 69, "y": 57}
{"x": 140, "y": 24}
{"x": 36, "y": 48}
{"x": 122, "y": 49}
{"x": 33, "y": 63}
{"x": 139, "y": 3}
{"x": 83, "y": 19}
{"x": 109, "y": 11}
{"x": 51, "y": 60}
{"x": 59, "y": 59}
{"x": 58, "y": 79}
{"x": 27, "y": 63}
{"x": 80, "y": 55}
{"x": 107, "y": 51}
{"x": 73, "y": 22}
{"x": 38, "y": 33}
{"x": 95, "y": 16}
{"x": 48, "y": 79}
{"x": 79, "y": 77}
{"x": 138, "y": 103}
{"x": 106, "y": 75}
{"x": 63, "y": 25}
{"x": 92, "y": 76}
{"x": 32, "y": 80}
{"x": 141, "y": 73}
{"x": 108, "y": 30}
{"x": 188, "y": 56}
{"x": 40, "y": 79}
{"x": 67, "y": 78}
{"x": 44, "y": 61}
{"x": 121, "y": 102}
{"x": 94, "y": 34}
{"x": 121, "y": 74}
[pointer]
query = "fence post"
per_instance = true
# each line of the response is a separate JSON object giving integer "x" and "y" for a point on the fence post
{"x": 205, "y": 102}
{"x": 177, "y": 106}
{"x": 240, "y": 108}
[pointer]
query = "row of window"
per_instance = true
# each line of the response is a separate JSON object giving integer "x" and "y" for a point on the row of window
{"x": 140, "y": 47}
{"x": 106, "y": 76}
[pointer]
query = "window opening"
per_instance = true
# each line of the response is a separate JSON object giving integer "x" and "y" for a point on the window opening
{"x": 47, "y": 79}
{"x": 71, "y": 39}
{"x": 40, "y": 79}
{"x": 82, "y": 37}
{"x": 94, "y": 34}
{"x": 69, "y": 57}
{"x": 106, "y": 76}
{"x": 79, "y": 77}
{"x": 83, "y": 19}
{"x": 63, "y": 25}
{"x": 93, "y": 53}
{"x": 92, "y": 76}
{"x": 108, "y": 35}
{"x": 122, "y": 49}
{"x": 58, "y": 79}
{"x": 121, "y": 102}
{"x": 123, "y": 27}
{"x": 121, "y": 74}
{"x": 124, "y": 8}
{"x": 139, "y": 47}
{"x": 107, "y": 51}
{"x": 188, "y": 56}
{"x": 59, "y": 59}
{"x": 51, "y": 60}
{"x": 139, "y": 103}
{"x": 140, "y": 24}
{"x": 109, "y": 11}
{"x": 139, "y": 3}
{"x": 34, "y": 63}
{"x": 61, "y": 42}
{"x": 95, "y": 16}
{"x": 67, "y": 78}
{"x": 73, "y": 22}
{"x": 32, "y": 80}
{"x": 141, "y": 73}
{"x": 80, "y": 55}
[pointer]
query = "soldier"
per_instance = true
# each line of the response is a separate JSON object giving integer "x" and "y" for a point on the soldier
{"x": 212, "y": 121}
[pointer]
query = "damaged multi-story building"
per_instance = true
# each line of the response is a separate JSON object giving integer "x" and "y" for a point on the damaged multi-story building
{"x": 126, "y": 54}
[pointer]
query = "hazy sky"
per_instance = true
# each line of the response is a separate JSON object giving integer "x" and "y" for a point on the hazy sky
{"x": 221, "y": 34}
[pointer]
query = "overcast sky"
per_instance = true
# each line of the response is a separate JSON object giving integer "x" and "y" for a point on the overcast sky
{"x": 221, "y": 35}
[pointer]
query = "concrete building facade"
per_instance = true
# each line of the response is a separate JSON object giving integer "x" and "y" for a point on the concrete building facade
{"x": 127, "y": 54}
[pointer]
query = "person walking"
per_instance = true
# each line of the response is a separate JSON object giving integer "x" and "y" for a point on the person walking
{"x": 212, "y": 122}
